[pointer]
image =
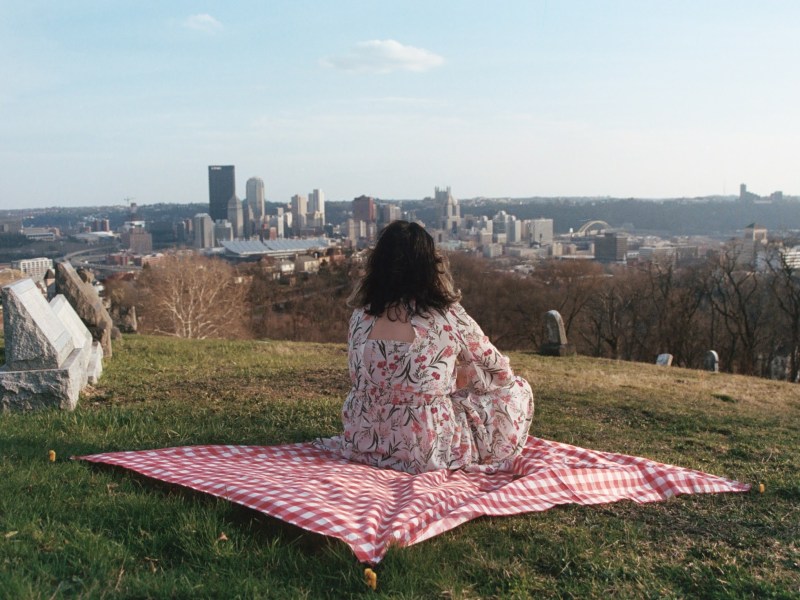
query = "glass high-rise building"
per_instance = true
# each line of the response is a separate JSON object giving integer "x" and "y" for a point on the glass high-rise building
{"x": 221, "y": 187}
{"x": 203, "y": 231}
{"x": 255, "y": 197}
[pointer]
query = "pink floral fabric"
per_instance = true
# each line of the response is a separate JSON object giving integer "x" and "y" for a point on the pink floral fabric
{"x": 404, "y": 411}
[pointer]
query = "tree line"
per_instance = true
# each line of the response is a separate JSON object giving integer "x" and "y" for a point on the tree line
{"x": 744, "y": 306}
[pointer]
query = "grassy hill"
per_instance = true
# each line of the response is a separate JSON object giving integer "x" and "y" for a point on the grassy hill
{"x": 72, "y": 530}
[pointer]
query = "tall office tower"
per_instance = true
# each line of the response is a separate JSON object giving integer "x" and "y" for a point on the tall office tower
{"x": 137, "y": 240}
{"x": 299, "y": 212}
{"x": 288, "y": 224}
{"x": 248, "y": 224}
{"x": 223, "y": 231}
{"x": 181, "y": 232}
{"x": 364, "y": 209}
{"x": 255, "y": 198}
{"x": 485, "y": 224}
{"x": 235, "y": 216}
{"x": 316, "y": 203}
{"x": 356, "y": 229}
{"x": 514, "y": 231}
{"x": 221, "y": 187}
{"x": 499, "y": 222}
{"x": 203, "y": 226}
{"x": 611, "y": 247}
{"x": 540, "y": 231}
{"x": 450, "y": 211}
{"x": 276, "y": 223}
{"x": 389, "y": 213}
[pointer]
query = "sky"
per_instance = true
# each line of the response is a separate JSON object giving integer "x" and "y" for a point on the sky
{"x": 107, "y": 100}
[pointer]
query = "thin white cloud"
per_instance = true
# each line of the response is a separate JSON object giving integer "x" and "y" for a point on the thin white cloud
{"x": 203, "y": 22}
{"x": 384, "y": 56}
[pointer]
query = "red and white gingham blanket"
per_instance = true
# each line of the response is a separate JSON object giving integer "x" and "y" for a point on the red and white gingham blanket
{"x": 370, "y": 509}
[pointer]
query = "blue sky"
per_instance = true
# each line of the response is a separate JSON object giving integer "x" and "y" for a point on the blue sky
{"x": 106, "y": 99}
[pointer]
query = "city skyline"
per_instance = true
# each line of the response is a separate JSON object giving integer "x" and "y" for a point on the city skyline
{"x": 626, "y": 99}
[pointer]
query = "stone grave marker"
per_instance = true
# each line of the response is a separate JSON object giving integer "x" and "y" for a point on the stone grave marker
{"x": 87, "y": 303}
{"x": 711, "y": 361}
{"x": 81, "y": 337}
{"x": 35, "y": 338}
{"x": 664, "y": 360}
{"x": 47, "y": 349}
{"x": 556, "y": 343}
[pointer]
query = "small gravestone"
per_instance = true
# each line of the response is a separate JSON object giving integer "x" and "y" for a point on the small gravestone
{"x": 779, "y": 368}
{"x": 556, "y": 343}
{"x": 664, "y": 360}
{"x": 87, "y": 303}
{"x": 124, "y": 317}
{"x": 711, "y": 361}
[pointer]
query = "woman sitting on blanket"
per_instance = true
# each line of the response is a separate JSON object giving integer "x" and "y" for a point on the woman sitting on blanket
{"x": 429, "y": 389}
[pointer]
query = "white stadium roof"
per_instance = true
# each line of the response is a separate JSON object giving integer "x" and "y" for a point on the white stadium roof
{"x": 284, "y": 247}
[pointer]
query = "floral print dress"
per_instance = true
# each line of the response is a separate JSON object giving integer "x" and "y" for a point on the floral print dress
{"x": 404, "y": 411}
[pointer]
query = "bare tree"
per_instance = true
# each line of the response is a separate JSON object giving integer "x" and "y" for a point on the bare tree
{"x": 190, "y": 296}
{"x": 508, "y": 306}
{"x": 784, "y": 283}
{"x": 571, "y": 284}
{"x": 737, "y": 294}
{"x": 610, "y": 318}
{"x": 312, "y": 309}
{"x": 673, "y": 312}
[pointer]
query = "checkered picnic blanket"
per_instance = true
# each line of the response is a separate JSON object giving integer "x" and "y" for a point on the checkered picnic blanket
{"x": 371, "y": 509}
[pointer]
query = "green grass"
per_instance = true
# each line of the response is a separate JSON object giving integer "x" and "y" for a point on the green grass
{"x": 69, "y": 529}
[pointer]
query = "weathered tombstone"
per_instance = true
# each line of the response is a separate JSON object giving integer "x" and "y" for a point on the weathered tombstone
{"x": 49, "y": 283}
{"x": 81, "y": 337}
{"x": 35, "y": 338}
{"x": 44, "y": 367}
{"x": 87, "y": 303}
{"x": 711, "y": 361}
{"x": 556, "y": 343}
{"x": 664, "y": 360}
{"x": 125, "y": 319}
{"x": 779, "y": 368}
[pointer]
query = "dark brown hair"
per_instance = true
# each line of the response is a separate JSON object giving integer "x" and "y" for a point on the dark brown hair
{"x": 405, "y": 270}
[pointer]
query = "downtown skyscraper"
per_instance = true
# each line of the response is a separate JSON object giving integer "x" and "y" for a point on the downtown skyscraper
{"x": 255, "y": 197}
{"x": 221, "y": 188}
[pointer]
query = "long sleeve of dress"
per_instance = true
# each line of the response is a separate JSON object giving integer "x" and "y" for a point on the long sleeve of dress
{"x": 487, "y": 369}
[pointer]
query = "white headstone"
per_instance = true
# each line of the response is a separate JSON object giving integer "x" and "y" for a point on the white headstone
{"x": 95, "y": 368}
{"x": 34, "y": 336}
{"x": 664, "y": 360}
{"x": 81, "y": 336}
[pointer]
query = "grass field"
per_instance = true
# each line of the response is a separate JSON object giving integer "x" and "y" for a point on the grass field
{"x": 69, "y": 529}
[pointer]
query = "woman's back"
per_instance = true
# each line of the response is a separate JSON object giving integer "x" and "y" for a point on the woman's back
{"x": 404, "y": 411}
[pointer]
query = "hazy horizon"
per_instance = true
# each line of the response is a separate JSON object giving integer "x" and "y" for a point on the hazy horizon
{"x": 103, "y": 102}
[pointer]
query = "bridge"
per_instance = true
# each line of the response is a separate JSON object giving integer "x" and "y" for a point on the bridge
{"x": 589, "y": 226}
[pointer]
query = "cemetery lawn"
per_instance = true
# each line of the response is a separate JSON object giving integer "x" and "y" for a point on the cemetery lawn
{"x": 73, "y": 530}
